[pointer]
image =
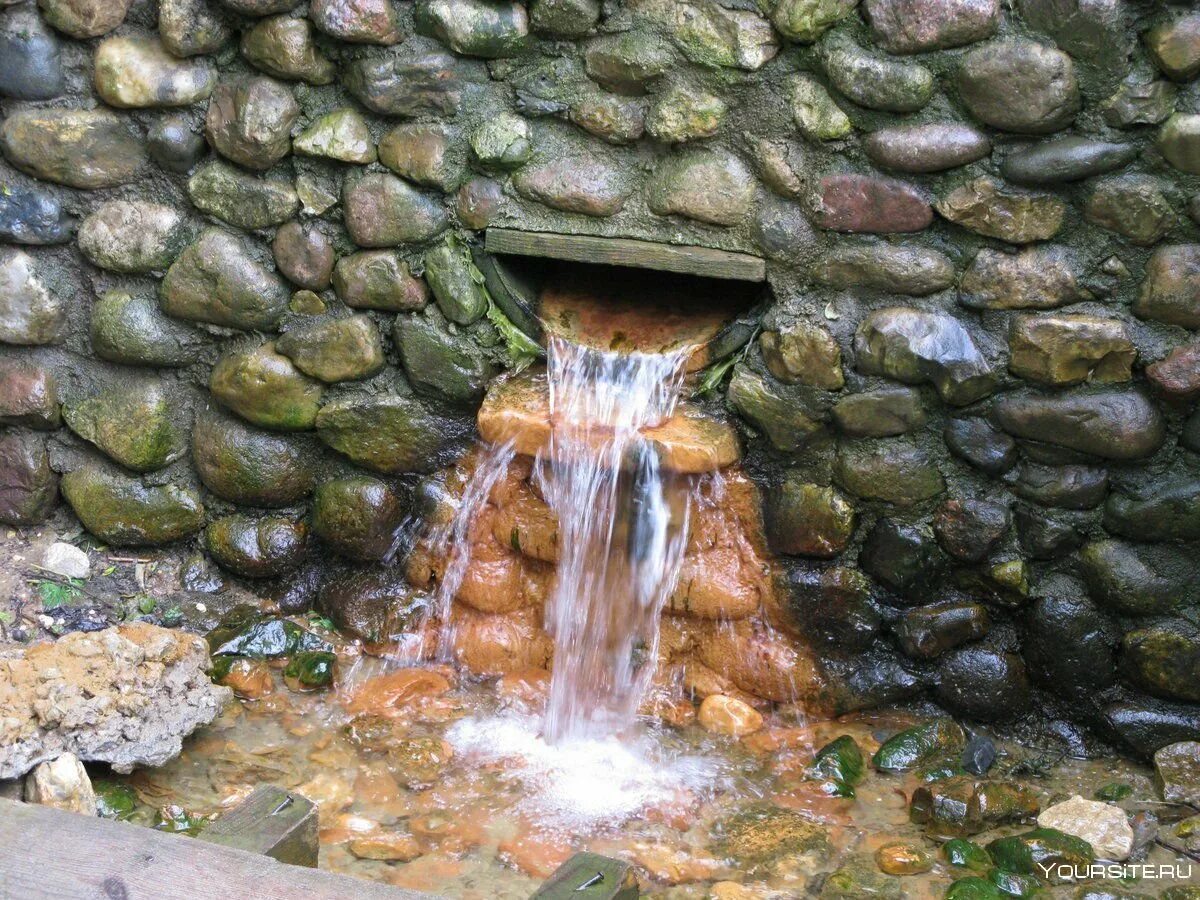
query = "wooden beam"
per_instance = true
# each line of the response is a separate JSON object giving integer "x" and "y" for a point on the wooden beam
{"x": 686, "y": 260}
{"x": 65, "y": 856}
{"x": 273, "y": 822}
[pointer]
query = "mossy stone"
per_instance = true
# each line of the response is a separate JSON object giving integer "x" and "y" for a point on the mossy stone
{"x": 127, "y": 513}
{"x": 133, "y": 424}
{"x": 335, "y": 350}
{"x": 456, "y": 284}
{"x": 391, "y": 434}
{"x": 133, "y": 331}
{"x": 357, "y": 516}
{"x": 441, "y": 365}
{"x": 264, "y": 388}
{"x": 256, "y": 548}
{"x": 247, "y": 466}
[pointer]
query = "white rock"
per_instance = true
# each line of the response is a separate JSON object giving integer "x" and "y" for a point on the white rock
{"x": 66, "y": 560}
{"x": 1104, "y": 826}
{"x": 63, "y": 784}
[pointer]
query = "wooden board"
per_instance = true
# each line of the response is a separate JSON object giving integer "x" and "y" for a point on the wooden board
{"x": 56, "y": 855}
{"x": 685, "y": 260}
{"x": 273, "y": 822}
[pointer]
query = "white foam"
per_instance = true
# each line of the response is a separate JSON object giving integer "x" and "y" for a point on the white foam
{"x": 583, "y": 783}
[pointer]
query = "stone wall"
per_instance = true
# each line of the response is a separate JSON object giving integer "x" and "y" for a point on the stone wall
{"x": 237, "y": 306}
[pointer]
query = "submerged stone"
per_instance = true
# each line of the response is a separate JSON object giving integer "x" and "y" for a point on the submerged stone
{"x": 138, "y": 72}
{"x": 81, "y": 148}
{"x": 240, "y": 199}
{"x": 247, "y": 466}
{"x": 959, "y": 806}
{"x": 916, "y": 347}
{"x": 383, "y": 211}
{"x": 133, "y": 424}
{"x": 124, "y": 512}
{"x": 920, "y": 745}
{"x": 217, "y": 280}
{"x": 1021, "y": 86}
{"x": 283, "y": 46}
{"x": 264, "y": 388}
{"x": 132, "y": 236}
{"x": 256, "y": 548}
{"x": 133, "y": 331}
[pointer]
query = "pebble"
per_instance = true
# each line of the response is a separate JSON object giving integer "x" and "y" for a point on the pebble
{"x": 66, "y": 560}
{"x": 729, "y": 716}
{"x": 62, "y": 784}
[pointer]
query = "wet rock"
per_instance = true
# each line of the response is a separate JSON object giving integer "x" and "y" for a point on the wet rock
{"x": 782, "y": 166}
{"x": 984, "y": 684}
{"x": 358, "y": 21}
{"x": 781, "y": 229}
{"x": 879, "y": 413}
{"x": 1191, "y": 433}
{"x": 729, "y": 716}
{"x": 132, "y": 423}
{"x": 1178, "y": 374}
{"x": 1069, "y": 644}
{"x": 369, "y": 603}
{"x": 808, "y": 519}
{"x": 1033, "y": 278}
{"x": 1021, "y": 86}
{"x": 870, "y": 203}
{"x": 681, "y": 114}
{"x": 259, "y": 7}
{"x": 582, "y": 184}
{"x": 930, "y": 631}
{"x": 1094, "y": 30}
{"x": 474, "y": 27}
{"x": 383, "y": 211}
{"x": 958, "y": 806}
{"x": 1146, "y": 725}
{"x": 874, "y": 82}
{"x": 240, "y": 199}
{"x": 806, "y": 20}
{"x": 988, "y": 208}
{"x": 926, "y": 148}
{"x": 250, "y": 121}
{"x": 504, "y": 143}
{"x": 713, "y": 36}
{"x": 419, "y": 77}
{"x": 425, "y": 154}
{"x": 803, "y": 353}
{"x": 1062, "y": 350}
{"x": 1178, "y": 769}
{"x": 902, "y": 557}
{"x": 969, "y": 529}
{"x": 833, "y": 607}
{"x": 1119, "y": 577}
{"x": 928, "y": 743}
{"x": 358, "y": 517}
{"x": 452, "y": 279}
{"x": 137, "y": 72}
{"x": 985, "y": 448}
{"x": 858, "y": 878}
{"x": 378, "y": 279}
{"x": 786, "y": 424}
{"x": 124, "y": 512}
{"x": 885, "y": 267}
{"x": 191, "y": 27}
{"x": 256, "y": 548}
{"x": 217, "y": 280}
{"x": 132, "y": 331}
{"x": 1133, "y": 206}
{"x": 32, "y": 216}
{"x": 390, "y": 434}
{"x": 816, "y": 114}
{"x": 84, "y": 18}
{"x": 32, "y": 55}
{"x": 441, "y": 365}
{"x": 264, "y": 388}
{"x": 919, "y": 347}
{"x": 173, "y": 145}
{"x": 28, "y": 486}
{"x": 1112, "y": 424}
{"x": 247, "y": 466}
{"x": 1061, "y": 487}
{"x": 1179, "y": 142}
{"x": 283, "y": 46}
{"x": 342, "y": 135}
{"x": 29, "y": 313}
{"x": 893, "y": 471}
{"x": 917, "y": 26}
{"x": 1065, "y": 159}
{"x": 903, "y": 858}
{"x": 304, "y": 255}
{"x": 478, "y": 201}
{"x": 707, "y": 186}
{"x": 1171, "y": 290}
{"x": 62, "y": 784}
{"x": 1140, "y": 100}
{"x": 28, "y": 396}
{"x": 335, "y": 350}
{"x": 1174, "y": 45}
{"x": 627, "y": 62}
{"x": 81, "y": 148}
{"x": 126, "y": 696}
{"x": 132, "y": 236}
{"x": 1164, "y": 660}
{"x": 564, "y": 19}
{"x": 1168, "y": 510}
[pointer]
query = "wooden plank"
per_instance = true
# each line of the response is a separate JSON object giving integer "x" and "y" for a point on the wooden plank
{"x": 686, "y": 260}
{"x": 589, "y": 876}
{"x": 56, "y": 855}
{"x": 273, "y": 822}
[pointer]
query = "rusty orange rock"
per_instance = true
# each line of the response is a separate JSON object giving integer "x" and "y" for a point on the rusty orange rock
{"x": 496, "y": 644}
{"x": 729, "y": 716}
{"x": 390, "y": 694}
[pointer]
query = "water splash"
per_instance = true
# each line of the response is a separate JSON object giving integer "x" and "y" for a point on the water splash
{"x": 622, "y": 529}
